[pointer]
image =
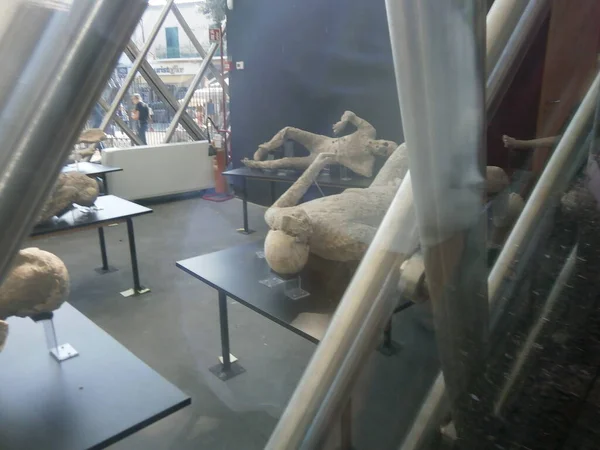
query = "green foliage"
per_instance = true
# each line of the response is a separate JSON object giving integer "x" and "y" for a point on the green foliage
{"x": 215, "y": 10}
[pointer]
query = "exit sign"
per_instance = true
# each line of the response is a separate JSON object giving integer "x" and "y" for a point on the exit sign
{"x": 214, "y": 35}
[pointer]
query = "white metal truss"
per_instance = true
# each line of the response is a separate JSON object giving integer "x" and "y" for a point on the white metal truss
{"x": 192, "y": 89}
{"x": 141, "y": 65}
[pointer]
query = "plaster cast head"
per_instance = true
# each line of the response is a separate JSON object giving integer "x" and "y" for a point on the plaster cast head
{"x": 496, "y": 180}
{"x": 381, "y": 147}
{"x": 286, "y": 254}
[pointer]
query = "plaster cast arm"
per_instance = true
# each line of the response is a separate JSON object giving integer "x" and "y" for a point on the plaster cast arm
{"x": 510, "y": 142}
{"x": 294, "y": 194}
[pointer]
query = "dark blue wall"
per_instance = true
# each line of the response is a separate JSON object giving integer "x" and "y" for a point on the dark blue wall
{"x": 306, "y": 62}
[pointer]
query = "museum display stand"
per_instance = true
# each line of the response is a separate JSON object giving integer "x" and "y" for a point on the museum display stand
{"x": 80, "y": 389}
{"x": 108, "y": 210}
{"x": 307, "y": 315}
{"x": 300, "y": 303}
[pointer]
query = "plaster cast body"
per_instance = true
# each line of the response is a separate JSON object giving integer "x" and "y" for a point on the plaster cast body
{"x": 338, "y": 227}
{"x": 356, "y": 151}
{"x": 70, "y": 187}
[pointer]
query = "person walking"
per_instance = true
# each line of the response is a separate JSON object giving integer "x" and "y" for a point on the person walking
{"x": 210, "y": 109}
{"x": 141, "y": 113}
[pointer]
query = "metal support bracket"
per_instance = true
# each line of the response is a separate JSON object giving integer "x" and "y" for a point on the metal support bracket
{"x": 135, "y": 292}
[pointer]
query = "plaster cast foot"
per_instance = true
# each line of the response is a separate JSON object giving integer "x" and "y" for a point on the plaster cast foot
{"x": 347, "y": 117}
{"x": 509, "y": 142}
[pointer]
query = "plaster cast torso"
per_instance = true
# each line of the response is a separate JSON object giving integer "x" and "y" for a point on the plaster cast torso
{"x": 344, "y": 224}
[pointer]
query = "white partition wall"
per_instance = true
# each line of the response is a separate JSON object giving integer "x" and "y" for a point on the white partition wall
{"x": 158, "y": 170}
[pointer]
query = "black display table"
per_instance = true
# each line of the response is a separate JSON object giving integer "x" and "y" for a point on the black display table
{"x": 92, "y": 170}
{"x": 111, "y": 210}
{"x": 289, "y": 177}
{"x": 88, "y": 402}
{"x": 235, "y": 272}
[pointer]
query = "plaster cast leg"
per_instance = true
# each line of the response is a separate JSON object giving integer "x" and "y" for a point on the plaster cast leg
{"x": 361, "y": 125}
{"x": 92, "y": 136}
{"x": 283, "y": 163}
{"x": 310, "y": 140}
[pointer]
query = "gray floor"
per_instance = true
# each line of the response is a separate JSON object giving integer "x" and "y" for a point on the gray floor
{"x": 175, "y": 330}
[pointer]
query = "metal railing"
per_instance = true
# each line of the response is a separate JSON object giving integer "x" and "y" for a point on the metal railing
{"x": 443, "y": 114}
{"x": 65, "y": 64}
{"x": 502, "y": 72}
{"x": 333, "y": 368}
{"x": 549, "y": 184}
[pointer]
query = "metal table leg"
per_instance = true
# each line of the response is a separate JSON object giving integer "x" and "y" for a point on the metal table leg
{"x": 228, "y": 367}
{"x": 273, "y": 193}
{"x": 137, "y": 287}
{"x": 105, "y": 183}
{"x": 105, "y": 267}
{"x": 388, "y": 347}
{"x": 245, "y": 230}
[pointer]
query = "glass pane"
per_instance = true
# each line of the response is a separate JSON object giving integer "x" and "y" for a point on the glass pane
{"x": 411, "y": 262}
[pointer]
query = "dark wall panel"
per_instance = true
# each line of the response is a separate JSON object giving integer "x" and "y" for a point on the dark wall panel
{"x": 306, "y": 62}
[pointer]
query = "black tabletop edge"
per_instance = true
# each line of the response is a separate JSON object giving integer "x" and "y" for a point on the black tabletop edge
{"x": 99, "y": 170}
{"x": 42, "y": 229}
{"x": 108, "y": 170}
{"x": 140, "y": 426}
{"x": 246, "y": 172}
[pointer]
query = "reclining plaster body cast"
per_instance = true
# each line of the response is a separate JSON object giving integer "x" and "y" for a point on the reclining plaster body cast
{"x": 356, "y": 151}
{"x": 338, "y": 227}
